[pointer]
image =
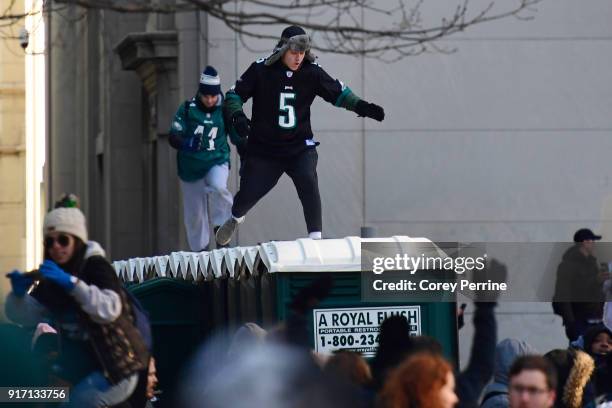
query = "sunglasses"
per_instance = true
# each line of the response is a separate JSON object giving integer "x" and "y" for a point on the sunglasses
{"x": 62, "y": 239}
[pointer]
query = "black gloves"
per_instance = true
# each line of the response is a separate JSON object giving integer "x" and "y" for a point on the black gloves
{"x": 370, "y": 110}
{"x": 241, "y": 147}
{"x": 241, "y": 124}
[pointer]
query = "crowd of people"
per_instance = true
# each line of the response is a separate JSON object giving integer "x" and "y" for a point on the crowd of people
{"x": 87, "y": 331}
{"x": 407, "y": 371}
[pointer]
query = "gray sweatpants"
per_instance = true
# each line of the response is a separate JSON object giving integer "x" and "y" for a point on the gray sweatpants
{"x": 197, "y": 197}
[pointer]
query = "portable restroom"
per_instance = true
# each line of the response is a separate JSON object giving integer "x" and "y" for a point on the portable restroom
{"x": 257, "y": 284}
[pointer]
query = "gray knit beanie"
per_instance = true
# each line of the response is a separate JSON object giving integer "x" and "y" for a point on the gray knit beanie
{"x": 67, "y": 220}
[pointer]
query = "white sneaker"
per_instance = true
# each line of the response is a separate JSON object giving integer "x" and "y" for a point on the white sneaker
{"x": 225, "y": 232}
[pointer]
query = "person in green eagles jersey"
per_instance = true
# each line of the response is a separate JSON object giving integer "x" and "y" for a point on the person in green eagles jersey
{"x": 203, "y": 157}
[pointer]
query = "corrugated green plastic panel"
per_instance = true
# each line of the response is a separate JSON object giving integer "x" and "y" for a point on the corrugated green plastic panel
{"x": 179, "y": 320}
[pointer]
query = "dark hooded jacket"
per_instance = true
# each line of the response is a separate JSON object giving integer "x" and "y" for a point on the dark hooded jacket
{"x": 602, "y": 378}
{"x": 578, "y": 292}
{"x": 508, "y": 350}
{"x": 574, "y": 369}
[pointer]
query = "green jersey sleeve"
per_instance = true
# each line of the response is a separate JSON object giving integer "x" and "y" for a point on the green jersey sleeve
{"x": 334, "y": 91}
{"x": 178, "y": 125}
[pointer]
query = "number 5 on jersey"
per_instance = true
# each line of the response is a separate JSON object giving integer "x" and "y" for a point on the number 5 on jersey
{"x": 286, "y": 118}
{"x": 212, "y": 135}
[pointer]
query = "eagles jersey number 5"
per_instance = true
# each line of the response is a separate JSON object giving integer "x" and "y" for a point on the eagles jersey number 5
{"x": 287, "y": 119}
{"x": 280, "y": 119}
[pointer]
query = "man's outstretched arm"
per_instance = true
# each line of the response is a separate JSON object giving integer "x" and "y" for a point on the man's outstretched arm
{"x": 472, "y": 380}
{"x": 338, "y": 94}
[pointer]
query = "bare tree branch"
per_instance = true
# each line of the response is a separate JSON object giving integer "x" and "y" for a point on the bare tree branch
{"x": 16, "y": 17}
{"x": 334, "y": 24}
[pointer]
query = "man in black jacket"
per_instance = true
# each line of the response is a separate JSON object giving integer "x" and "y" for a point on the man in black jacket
{"x": 579, "y": 288}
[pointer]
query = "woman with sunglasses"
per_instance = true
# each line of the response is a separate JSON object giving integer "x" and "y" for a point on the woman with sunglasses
{"x": 78, "y": 292}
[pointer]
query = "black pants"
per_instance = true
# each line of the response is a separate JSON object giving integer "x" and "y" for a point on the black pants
{"x": 260, "y": 174}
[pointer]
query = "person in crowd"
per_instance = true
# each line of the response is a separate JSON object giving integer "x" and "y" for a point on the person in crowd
{"x": 349, "y": 366}
{"x": 532, "y": 383}
{"x": 607, "y": 309}
{"x": 472, "y": 380}
{"x": 598, "y": 340}
{"x": 579, "y": 297}
{"x": 77, "y": 290}
{"x": 145, "y": 389}
{"x": 395, "y": 345}
{"x": 423, "y": 380}
{"x": 574, "y": 369}
{"x": 248, "y": 336}
{"x": 606, "y": 376}
{"x": 199, "y": 135}
{"x": 152, "y": 381}
{"x": 275, "y": 374}
{"x": 598, "y": 344}
{"x": 506, "y": 352}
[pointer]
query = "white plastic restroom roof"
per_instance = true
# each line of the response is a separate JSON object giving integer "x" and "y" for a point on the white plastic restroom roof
{"x": 301, "y": 255}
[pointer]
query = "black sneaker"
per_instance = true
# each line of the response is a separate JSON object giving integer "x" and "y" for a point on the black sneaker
{"x": 215, "y": 229}
{"x": 224, "y": 233}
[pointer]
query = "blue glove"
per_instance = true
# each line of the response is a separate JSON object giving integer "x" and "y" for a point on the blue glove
{"x": 192, "y": 144}
{"x": 19, "y": 282}
{"x": 49, "y": 270}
